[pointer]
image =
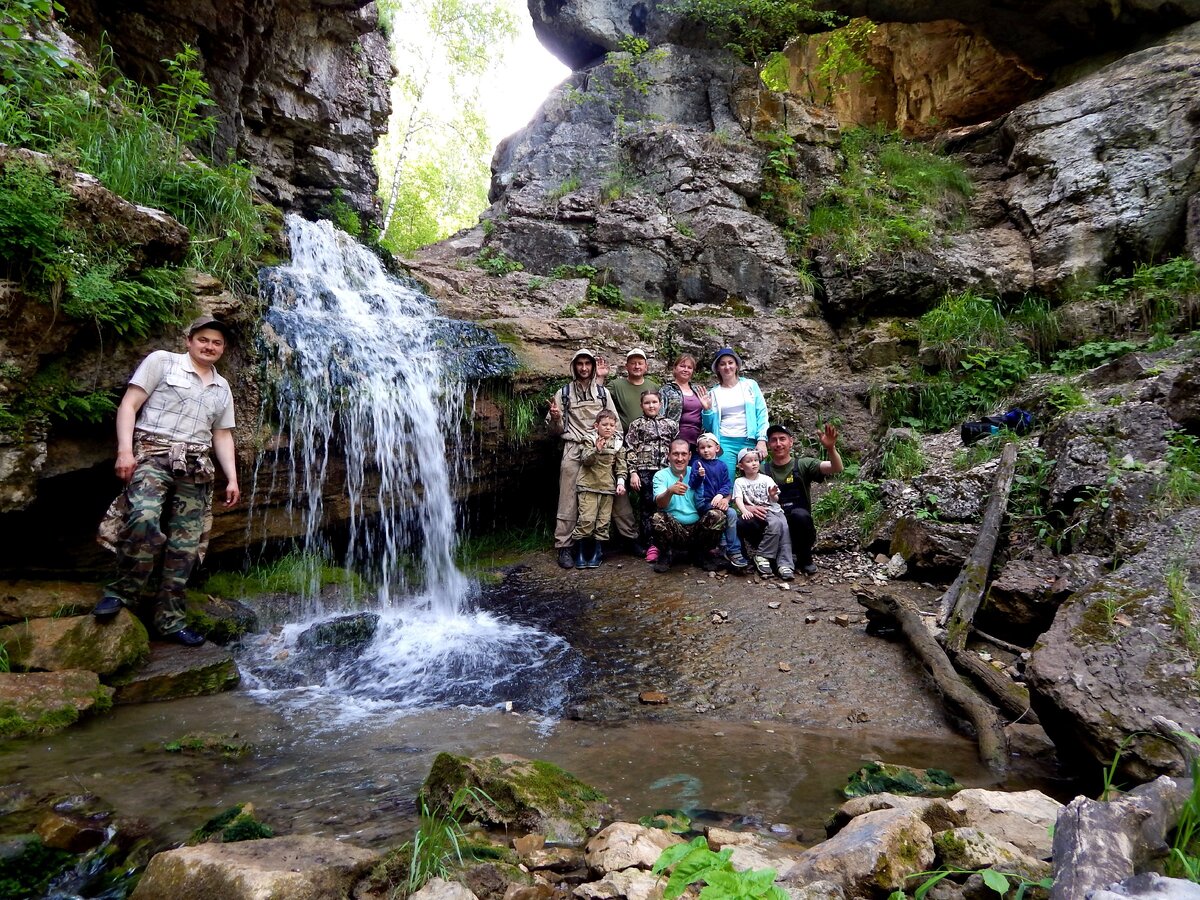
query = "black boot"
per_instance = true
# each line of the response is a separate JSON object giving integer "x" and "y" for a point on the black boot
{"x": 581, "y": 556}
{"x": 597, "y": 554}
{"x": 566, "y": 557}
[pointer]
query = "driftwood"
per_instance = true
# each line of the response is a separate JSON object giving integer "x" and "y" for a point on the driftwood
{"x": 1013, "y": 698}
{"x": 1003, "y": 645}
{"x": 962, "y": 600}
{"x": 958, "y": 695}
{"x": 1097, "y": 843}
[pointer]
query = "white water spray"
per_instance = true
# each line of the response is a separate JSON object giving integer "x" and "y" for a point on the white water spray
{"x": 371, "y": 376}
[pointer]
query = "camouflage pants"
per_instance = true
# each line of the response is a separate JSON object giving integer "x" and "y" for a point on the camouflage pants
{"x": 595, "y": 513}
{"x": 699, "y": 537}
{"x": 164, "y": 526}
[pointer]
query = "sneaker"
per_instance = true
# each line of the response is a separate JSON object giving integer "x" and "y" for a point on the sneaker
{"x": 109, "y": 606}
{"x": 737, "y": 560}
{"x": 808, "y": 568}
{"x": 763, "y": 565}
{"x": 663, "y": 563}
{"x": 185, "y": 636}
{"x": 566, "y": 557}
{"x": 652, "y": 554}
{"x": 786, "y": 573}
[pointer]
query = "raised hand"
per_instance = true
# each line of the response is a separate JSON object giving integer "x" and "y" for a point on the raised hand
{"x": 702, "y": 395}
{"x": 828, "y": 437}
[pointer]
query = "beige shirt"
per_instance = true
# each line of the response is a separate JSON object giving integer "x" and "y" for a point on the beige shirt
{"x": 180, "y": 406}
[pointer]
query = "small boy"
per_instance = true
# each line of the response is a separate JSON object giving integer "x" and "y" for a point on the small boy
{"x": 647, "y": 442}
{"x": 763, "y": 523}
{"x": 714, "y": 488}
{"x": 602, "y": 473}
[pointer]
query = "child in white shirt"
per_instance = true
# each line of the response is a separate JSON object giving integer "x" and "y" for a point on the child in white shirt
{"x": 762, "y": 523}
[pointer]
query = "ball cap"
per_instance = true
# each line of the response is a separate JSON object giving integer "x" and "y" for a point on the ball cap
{"x": 778, "y": 429}
{"x": 636, "y": 351}
{"x": 207, "y": 322}
{"x": 746, "y": 451}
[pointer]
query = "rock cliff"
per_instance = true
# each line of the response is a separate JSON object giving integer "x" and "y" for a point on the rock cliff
{"x": 300, "y": 88}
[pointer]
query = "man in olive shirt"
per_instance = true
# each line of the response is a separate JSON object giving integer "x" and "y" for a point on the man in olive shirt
{"x": 794, "y": 475}
{"x": 627, "y": 395}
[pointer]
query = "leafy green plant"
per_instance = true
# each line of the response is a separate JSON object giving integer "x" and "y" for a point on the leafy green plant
{"x": 752, "y": 29}
{"x": 495, "y": 263}
{"x": 1039, "y": 324}
{"x": 1002, "y": 883}
{"x": 841, "y": 56}
{"x": 1181, "y": 486}
{"x": 695, "y": 862}
{"x": 607, "y": 295}
{"x": 1089, "y": 355}
{"x": 577, "y": 271}
{"x": 1183, "y": 859}
{"x": 850, "y": 496}
{"x": 1064, "y": 397}
{"x": 1163, "y": 294}
{"x": 342, "y": 214}
{"x": 963, "y": 322}
{"x": 567, "y": 186}
{"x": 903, "y": 459}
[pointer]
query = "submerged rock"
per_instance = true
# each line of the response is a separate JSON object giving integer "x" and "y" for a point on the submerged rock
{"x": 513, "y": 792}
{"x": 880, "y": 777}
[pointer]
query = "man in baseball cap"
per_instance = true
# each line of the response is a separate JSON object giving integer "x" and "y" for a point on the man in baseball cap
{"x": 627, "y": 394}
{"x": 794, "y": 475}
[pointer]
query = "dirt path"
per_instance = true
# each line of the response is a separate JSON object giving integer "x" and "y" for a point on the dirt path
{"x": 734, "y": 647}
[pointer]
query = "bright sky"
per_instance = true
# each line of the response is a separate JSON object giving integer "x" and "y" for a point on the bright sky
{"x": 528, "y": 73}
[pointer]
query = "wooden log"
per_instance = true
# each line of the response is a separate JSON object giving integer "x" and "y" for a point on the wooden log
{"x": 972, "y": 580}
{"x": 1097, "y": 843}
{"x": 1003, "y": 645}
{"x": 1012, "y": 697}
{"x": 959, "y": 696}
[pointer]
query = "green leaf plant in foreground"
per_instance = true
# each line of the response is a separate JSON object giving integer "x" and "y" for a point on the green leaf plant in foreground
{"x": 695, "y": 862}
{"x": 1000, "y": 882}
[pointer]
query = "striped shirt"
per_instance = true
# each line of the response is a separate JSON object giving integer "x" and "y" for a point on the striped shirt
{"x": 180, "y": 406}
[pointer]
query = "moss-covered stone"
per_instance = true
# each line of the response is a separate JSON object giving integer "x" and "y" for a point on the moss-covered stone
{"x": 218, "y": 619}
{"x": 517, "y": 793}
{"x": 77, "y": 642}
{"x": 878, "y": 778}
{"x": 34, "y": 703}
{"x": 229, "y": 746}
{"x": 175, "y": 671}
{"x": 237, "y": 823}
{"x": 27, "y": 864}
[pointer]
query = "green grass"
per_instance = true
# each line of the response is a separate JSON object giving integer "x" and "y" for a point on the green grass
{"x": 1182, "y": 484}
{"x": 500, "y": 548}
{"x": 849, "y": 496}
{"x": 1182, "y": 600}
{"x": 903, "y": 460}
{"x": 295, "y": 573}
{"x": 963, "y": 322}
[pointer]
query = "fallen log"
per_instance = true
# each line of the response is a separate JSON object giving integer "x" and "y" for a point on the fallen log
{"x": 960, "y": 697}
{"x": 1012, "y": 697}
{"x": 1003, "y": 645}
{"x": 961, "y": 601}
{"x": 1098, "y": 843}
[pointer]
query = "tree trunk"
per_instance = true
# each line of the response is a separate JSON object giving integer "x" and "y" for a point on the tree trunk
{"x": 1012, "y": 697}
{"x": 966, "y": 593}
{"x": 957, "y": 694}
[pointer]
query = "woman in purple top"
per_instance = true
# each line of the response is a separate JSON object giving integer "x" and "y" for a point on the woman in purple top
{"x": 684, "y": 402}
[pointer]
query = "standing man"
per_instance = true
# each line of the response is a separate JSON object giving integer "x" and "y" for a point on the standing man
{"x": 176, "y": 414}
{"x": 679, "y": 526}
{"x": 627, "y": 394}
{"x": 794, "y": 475}
{"x": 572, "y": 412}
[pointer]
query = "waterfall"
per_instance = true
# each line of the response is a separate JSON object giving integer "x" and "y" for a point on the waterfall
{"x": 370, "y": 373}
{"x": 369, "y": 376}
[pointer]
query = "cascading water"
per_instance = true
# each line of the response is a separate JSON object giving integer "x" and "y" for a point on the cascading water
{"x": 369, "y": 375}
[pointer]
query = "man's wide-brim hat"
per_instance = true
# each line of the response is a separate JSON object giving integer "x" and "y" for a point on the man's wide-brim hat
{"x": 583, "y": 351}
{"x": 207, "y": 322}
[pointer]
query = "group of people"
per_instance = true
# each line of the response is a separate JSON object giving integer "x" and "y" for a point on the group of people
{"x": 713, "y": 480}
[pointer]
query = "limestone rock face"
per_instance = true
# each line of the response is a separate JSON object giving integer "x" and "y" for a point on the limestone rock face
{"x": 931, "y": 75}
{"x": 299, "y": 867}
{"x": 1113, "y": 659}
{"x": 971, "y": 848}
{"x": 873, "y": 854}
{"x": 622, "y": 845}
{"x": 300, "y": 88}
{"x": 1103, "y": 168}
{"x": 45, "y": 702}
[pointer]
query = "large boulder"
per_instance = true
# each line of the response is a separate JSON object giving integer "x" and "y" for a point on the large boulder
{"x": 1024, "y": 819}
{"x": 969, "y": 849}
{"x": 1103, "y": 169}
{"x": 298, "y": 867}
{"x": 512, "y": 792}
{"x": 875, "y": 853}
{"x": 176, "y": 671}
{"x": 77, "y": 642}
{"x": 932, "y": 547}
{"x": 1123, "y": 651}
{"x": 21, "y": 600}
{"x": 44, "y": 702}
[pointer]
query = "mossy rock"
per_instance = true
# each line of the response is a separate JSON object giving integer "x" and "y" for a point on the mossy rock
{"x": 530, "y": 796}
{"x": 234, "y": 824}
{"x": 341, "y": 633}
{"x": 879, "y": 778}
{"x": 34, "y": 703}
{"x": 228, "y": 746}
{"x": 77, "y": 642}
{"x": 221, "y": 621}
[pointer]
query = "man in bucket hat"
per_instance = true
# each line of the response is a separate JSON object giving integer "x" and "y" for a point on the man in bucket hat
{"x": 572, "y": 412}
{"x": 176, "y": 414}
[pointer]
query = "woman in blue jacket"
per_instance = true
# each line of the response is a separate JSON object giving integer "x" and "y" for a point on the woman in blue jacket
{"x": 736, "y": 410}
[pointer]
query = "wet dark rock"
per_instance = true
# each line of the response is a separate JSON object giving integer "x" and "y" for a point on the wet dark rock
{"x": 1183, "y": 398}
{"x": 1020, "y": 600}
{"x": 219, "y": 619}
{"x": 932, "y": 547}
{"x": 176, "y": 671}
{"x": 342, "y": 633}
{"x": 1116, "y": 657}
{"x": 71, "y": 832}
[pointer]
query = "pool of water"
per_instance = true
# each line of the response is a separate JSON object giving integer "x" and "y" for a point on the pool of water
{"x": 316, "y": 771}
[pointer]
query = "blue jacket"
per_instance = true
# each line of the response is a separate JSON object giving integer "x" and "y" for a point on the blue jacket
{"x": 716, "y": 480}
{"x": 756, "y": 413}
